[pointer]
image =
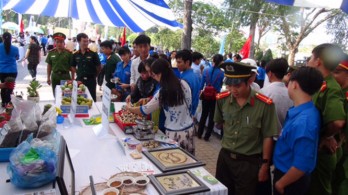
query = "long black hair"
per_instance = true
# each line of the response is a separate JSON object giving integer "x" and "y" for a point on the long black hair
{"x": 217, "y": 59}
{"x": 7, "y": 37}
{"x": 35, "y": 40}
{"x": 171, "y": 93}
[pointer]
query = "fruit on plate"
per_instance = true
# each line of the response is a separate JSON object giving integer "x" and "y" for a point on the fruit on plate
{"x": 82, "y": 101}
{"x": 68, "y": 86}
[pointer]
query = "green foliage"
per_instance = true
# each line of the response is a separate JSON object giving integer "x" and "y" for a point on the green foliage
{"x": 33, "y": 87}
{"x": 258, "y": 55}
{"x": 268, "y": 55}
{"x": 208, "y": 17}
{"x": 234, "y": 41}
{"x": 167, "y": 39}
{"x": 132, "y": 37}
{"x": 207, "y": 45}
{"x": 338, "y": 27}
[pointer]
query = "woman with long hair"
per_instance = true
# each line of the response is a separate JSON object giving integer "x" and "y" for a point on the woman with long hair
{"x": 8, "y": 65}
{"x": 211, "y": 77}
{"x": 33, "y": 56}
{"x": 175, "y": 98}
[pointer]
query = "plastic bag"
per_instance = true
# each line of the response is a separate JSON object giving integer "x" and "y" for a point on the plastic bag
{"x": 47, "y": 123}
{"x": 14, "y": 130}
{"x": 33, "y": 163}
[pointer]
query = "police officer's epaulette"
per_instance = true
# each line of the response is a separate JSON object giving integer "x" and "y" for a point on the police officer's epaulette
{"x": 323, "y": 87}
{"x": 54, "y": 49}
{"x": 222, "y": 95}
{"x": 264, "y": 98}
{"x": 67, "y": 50}
{"x": 77, "y": 51}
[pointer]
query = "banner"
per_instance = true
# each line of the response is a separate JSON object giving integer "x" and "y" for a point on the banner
{"x": 246, "y": 48}
{"x": 20, "y": 23}
{"x": 123, "y": 38}
{"x": 222, "y": 45}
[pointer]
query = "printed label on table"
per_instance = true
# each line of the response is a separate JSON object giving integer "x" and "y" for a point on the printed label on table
{"x": 73, "y": 103}
{"x": 106, "y": 109}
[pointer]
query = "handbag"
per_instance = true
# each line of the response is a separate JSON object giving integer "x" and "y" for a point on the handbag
{"x": 209, "y": 92}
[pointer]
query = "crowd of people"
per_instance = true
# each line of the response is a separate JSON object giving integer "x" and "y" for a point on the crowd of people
{"x": 271, "y": 114}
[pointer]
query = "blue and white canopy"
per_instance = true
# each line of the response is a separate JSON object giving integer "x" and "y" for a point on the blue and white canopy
{"x": 334, "y": 4}
{"x": 138, "y": 15}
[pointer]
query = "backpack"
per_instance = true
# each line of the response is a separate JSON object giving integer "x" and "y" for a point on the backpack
{"x": 209, "y": 92}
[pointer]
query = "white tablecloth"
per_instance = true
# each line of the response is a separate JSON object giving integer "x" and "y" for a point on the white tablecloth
{"x": 102, "y": 157}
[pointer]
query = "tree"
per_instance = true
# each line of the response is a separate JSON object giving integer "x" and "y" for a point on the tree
{"x": 338, "y": 26}
{"x": 249, "y": 17}
{"x": 167, "y": 39}
{"x": 234, "y": 41}
{"x": 209, "y": 18}
{"x": 187, "y": 34}
{"x": 205, "y": 44}
{"x": 295, "y": 24}
{"x": 268, "y": 56}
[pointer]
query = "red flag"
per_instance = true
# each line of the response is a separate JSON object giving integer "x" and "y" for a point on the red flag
{"x": 21, "y": 23}
{"x": 123, "y": 37}
{"x": 246, "y": 48}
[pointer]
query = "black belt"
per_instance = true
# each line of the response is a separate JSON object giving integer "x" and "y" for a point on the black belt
{"x": 254, "y": 158}
{"x": 61, "y": 72}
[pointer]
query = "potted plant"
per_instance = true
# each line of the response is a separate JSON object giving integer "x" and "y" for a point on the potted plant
{"x": 32, "y": 91}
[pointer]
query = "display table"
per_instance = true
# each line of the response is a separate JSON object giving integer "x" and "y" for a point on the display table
{"x": 102, "y": 157}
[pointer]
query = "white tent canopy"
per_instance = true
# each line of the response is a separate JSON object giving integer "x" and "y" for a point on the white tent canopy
{"x": 138, "y": 15}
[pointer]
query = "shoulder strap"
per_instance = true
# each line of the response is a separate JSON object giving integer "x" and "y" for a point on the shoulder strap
{"x": 216, "y": 78}
{"x": 209, "y": 79}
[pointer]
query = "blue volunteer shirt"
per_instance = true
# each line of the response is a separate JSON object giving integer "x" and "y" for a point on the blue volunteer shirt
{"x": 8, "y": 62}
{"x": 123, "y": 73}
{"x": 215, "y": 80}
{"x": 194, "y": 82}
{"x": 298, "y": 142}
{"x": 261, "y": 74}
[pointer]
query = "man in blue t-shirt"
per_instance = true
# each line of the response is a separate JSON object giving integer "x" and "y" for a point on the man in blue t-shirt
{"x": 43, "y": 44}
{"x": 295, "y": 153}
{"x": 184, "y": 61}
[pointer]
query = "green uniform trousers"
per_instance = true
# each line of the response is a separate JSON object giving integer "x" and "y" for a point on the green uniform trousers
{"x": 240, "y": 176}
{"x": 340, "y": 183}
{"x": 56, "y": 78}
{"x": 323, "y": 174}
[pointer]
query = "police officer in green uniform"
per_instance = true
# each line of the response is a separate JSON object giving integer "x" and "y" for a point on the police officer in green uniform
{"x": 329, "y": 101}
{"x": 87, "y": 64}
{"x": 58, "y": 62}
{"x": 341, "y": 174}
{"x": 249, "y": 120}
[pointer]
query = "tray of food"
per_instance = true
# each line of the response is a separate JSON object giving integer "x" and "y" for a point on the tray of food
{"x": 124, "y": 119}
{"x": 125, "y": 183}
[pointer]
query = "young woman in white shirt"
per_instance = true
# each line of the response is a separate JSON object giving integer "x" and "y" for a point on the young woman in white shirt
{"x": 174, "y": 96}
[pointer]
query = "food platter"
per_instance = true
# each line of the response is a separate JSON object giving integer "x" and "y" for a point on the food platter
{"x": 124, "y": 189}
{"x": 170, "y": 159}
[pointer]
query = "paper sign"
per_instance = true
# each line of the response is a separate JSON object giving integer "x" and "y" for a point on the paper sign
{"x": 73, "y": 103}
{"x": 106, "y": 109}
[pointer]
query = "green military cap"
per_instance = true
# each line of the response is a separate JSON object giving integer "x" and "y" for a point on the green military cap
{"x": 236, "y": 72}
{"x": 59, "y": 36}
